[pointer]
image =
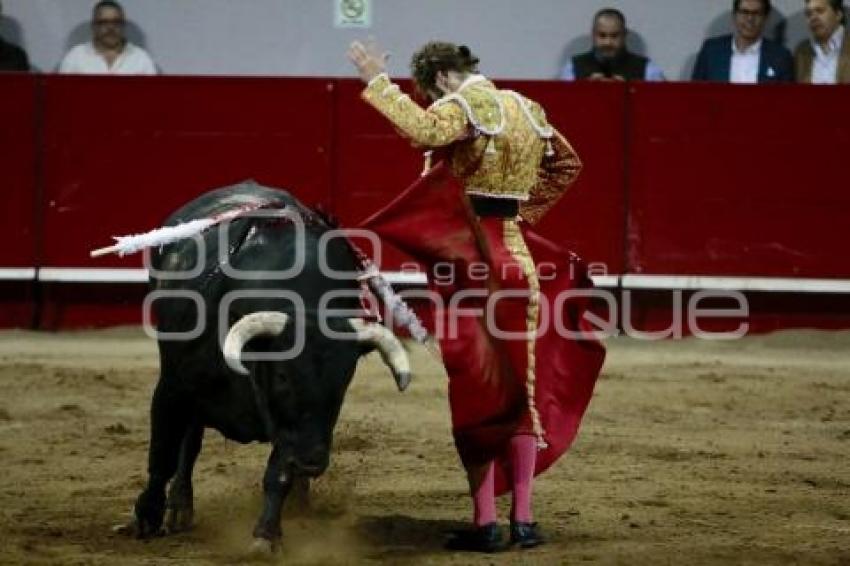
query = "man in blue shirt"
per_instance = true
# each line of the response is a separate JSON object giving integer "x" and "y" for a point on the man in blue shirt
{"x": 746, "y": 57}
{"x": 609, "y": 59}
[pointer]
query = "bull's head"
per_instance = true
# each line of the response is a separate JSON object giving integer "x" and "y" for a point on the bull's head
{"x": 305, "y": 393}
{"x": 273, "y": 323}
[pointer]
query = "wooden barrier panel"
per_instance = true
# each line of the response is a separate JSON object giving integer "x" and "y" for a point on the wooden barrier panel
{"x": 123, "y": 153}
{"x": 590, "y": 218}
{"x": 18, "y": 183}
{"x": 371, "y": 164}
{"x": 738, "y": 180}
{"x": 19, "y": 127}
{"x": 679, "y": 180}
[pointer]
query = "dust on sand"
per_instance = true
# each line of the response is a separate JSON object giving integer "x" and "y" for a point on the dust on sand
{"x": 692, "y": 452}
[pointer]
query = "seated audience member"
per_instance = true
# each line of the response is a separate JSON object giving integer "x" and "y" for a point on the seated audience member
{"x": 747, "y": 56}
{"x": 12, "y": 57}
{"x": 609, "y": 59}
{"x": 109, "y": 52}
{"x": 825, "y": 58}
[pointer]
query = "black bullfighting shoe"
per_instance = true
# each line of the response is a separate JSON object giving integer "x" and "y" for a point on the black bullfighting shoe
{"x": 487, "y": 538}
{"x": 525, "y": 535}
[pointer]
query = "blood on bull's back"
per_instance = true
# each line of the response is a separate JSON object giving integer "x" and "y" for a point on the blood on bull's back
{"x": 275, "y": 245}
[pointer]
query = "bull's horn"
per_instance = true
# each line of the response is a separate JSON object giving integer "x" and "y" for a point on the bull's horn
{"x": 391, "y": 350}
{"x": 265, "y": 323}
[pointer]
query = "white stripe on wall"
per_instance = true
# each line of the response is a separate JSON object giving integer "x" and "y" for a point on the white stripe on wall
{"x": 17, "y": 273}
{"x": 649, "y": 282}
{"x": 82, "y": 275}
{"x": 774, "y": 284}
{"x": 106, "y": 275}
{"x": 606, "y": 280}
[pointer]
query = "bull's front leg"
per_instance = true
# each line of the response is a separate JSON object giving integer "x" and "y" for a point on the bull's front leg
{"x": 169, "y": 423}
{"x": 277, "y": 483}
{"x": 180, "y": 505}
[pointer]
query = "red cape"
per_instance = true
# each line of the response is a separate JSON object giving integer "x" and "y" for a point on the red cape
{"x": 432, "y": 222}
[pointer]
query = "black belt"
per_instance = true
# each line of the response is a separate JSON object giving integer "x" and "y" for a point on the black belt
{"x": 492, "y": 206}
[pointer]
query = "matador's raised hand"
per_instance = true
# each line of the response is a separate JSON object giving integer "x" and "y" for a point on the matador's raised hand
{"x": 368, "y": 58}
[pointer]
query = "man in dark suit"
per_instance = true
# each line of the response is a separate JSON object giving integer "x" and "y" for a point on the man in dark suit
{"x": 746, "y": 57}
{"x": 12, "y": 57}
{"x": 825, "y": 58}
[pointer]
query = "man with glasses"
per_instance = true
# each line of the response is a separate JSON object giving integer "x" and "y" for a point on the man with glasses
{"x": 109, "y": 52}
{"x": 746, "y": 57}
{"x": 825, "y": 58}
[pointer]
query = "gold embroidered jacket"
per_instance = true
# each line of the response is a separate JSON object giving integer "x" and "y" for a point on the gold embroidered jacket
{"x": 500, "y": 142}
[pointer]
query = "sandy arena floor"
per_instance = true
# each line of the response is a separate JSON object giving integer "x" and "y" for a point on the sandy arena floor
{"x": 691, "y": 453}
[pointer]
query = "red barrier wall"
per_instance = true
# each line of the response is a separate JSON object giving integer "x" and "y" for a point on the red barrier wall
{"x": 19, "y": 127}
{"x": 738, "y": 181}
{"x": 679, "y": 179}
{"x": 122, "y": 153}
{"x": 589, "y": 219}
{"x": 371, "y": 163}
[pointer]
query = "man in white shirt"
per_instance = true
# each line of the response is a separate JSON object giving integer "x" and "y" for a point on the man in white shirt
{"x": 825, "y": 58}
{"x": 109, "y": 52}
{"x": 746, "y": 57}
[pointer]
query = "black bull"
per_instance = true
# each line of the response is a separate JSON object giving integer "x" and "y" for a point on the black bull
{"x": 292, "y": 403}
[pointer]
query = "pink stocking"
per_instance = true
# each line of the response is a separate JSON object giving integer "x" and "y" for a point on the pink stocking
{"x": 523, "y": 458}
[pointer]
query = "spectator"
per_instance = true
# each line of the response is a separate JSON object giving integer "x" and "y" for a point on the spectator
{"x": 12, "y": 57}
{"x": 609, "y": 59}
{"x": 747, "y": 57}
{"x": 109, "y": 52}
{"x": 825, "y": 58}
